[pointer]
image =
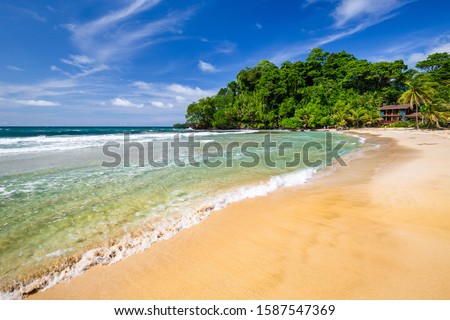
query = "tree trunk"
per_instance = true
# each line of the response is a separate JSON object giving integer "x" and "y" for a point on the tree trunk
{"x": 417, "y": 117}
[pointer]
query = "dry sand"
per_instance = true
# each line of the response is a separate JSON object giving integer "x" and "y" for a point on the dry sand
{"x": 377, "y": 229}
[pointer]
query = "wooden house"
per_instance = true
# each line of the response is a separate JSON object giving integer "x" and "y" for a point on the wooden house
{"x": 395, "y": 113}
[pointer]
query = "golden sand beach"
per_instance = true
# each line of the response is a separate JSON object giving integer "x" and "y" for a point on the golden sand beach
{"x": 376, "y": 229}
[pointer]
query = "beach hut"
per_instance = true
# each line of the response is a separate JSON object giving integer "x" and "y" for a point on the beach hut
{"x": 395, "y": 113}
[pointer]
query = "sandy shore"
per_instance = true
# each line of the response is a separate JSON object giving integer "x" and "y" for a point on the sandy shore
{"x": 377, "y": 229}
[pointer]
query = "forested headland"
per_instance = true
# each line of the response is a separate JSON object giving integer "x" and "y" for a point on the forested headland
{"x": 326, "y": 90}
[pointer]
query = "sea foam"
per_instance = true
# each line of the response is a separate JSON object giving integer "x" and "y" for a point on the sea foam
{"x": 63, "y": 143}
{"x": 161, "y": 230}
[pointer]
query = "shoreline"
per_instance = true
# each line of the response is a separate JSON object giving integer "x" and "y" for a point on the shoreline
{"x": 113, "y": 250}
{"x": 294, "y": 242}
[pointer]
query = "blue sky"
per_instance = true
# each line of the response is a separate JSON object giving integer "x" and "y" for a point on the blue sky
{"x": 141, "y": 62}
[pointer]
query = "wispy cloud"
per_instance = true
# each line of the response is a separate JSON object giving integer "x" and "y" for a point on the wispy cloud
{"x": 79, "y": 61}
{"x": 445, "y": 47}
{"x": 172, "y": 95}
{"x": 258, "y": 26}
{"x": 84, "y": 65}
{"x": 308, "y": 3}
{"x": 50, "y": 8}
{"x": 349, "y": 31}
{"x": 161, "y": 105}
{"x": 206, "y": 67}
{"x": 58, "y": 69}
{"x": 122, "y": 102}
{"x": 414, "y": 50}
{"x": 189, "y": 92}
{"x": 37, "y": 103}
{"x": 226, "y": 47}
{"x": 350, "y": 17}
{"x": 46, "y": 93}
{"x": 161, "y": 96}
{"x": 102, "y": 42}
{"x": 15, "y": 68}
{"x": 89, "y": 71}
{"x": 111, "y": 37}
{"x": 365, "y": 11}
{"x": 300, "y": 48}
{"x": 55, "y": 68}
{"x": 112, "y": 18}
{"x": 27, "y": 13}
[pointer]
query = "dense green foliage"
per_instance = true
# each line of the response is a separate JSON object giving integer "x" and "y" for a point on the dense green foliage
{"x": 327, "y": 90}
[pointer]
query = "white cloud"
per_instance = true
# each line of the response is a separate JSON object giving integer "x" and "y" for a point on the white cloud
{"x": 188, "y": 92}
{"x": 134, "y": 8}
{"x": 180, "y": 99}
{"x": 122, "y": 102}
{"x": 412, "y": 59}
{"x": 444, "y": 47}
{"x": 206, "y": 67}
{"x": 258, "y": 26}
{"x": 55, "y": 68}
{"x": 14, "y": 68}
{"x": 38, "y": 103}
{"x": 162, "y": 105}
{"x": 143, "y": 85}
{"x": 157, "y": 104}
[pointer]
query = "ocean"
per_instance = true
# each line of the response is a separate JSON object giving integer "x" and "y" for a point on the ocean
{"x": 75, "y": 197}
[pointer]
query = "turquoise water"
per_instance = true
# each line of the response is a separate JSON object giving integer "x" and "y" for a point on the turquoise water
{"x": 62, "y": 211}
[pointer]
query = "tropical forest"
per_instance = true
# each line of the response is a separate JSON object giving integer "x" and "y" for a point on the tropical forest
{"x": 325, "y": 91}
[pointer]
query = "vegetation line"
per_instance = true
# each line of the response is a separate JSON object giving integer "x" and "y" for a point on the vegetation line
{"x": 326, "y": 90}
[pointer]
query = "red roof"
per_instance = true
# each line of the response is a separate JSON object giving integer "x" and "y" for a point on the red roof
{"x": 397, "y": 107}
{"x": 413, "y": 115}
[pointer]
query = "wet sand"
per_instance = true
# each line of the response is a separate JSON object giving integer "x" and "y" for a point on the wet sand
{"x": 376, "y": 229}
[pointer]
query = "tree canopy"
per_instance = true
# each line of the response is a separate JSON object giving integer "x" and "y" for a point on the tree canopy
{"x": 328, "y": 89}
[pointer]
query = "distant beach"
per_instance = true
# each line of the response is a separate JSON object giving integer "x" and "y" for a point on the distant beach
{"x": 378, "y": 228}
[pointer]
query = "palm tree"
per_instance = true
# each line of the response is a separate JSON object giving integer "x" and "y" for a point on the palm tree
{"x": 421, "y": 91}
{"x": 435, "y": 113}
{"x": 340, "y": 116}
{"x": 305, "y": 120}
{"x": 373, "y": 116}
{"x": 357, "y": 115}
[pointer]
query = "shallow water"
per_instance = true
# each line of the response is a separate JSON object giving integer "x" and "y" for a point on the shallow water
{"x": 61, "y": 211}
